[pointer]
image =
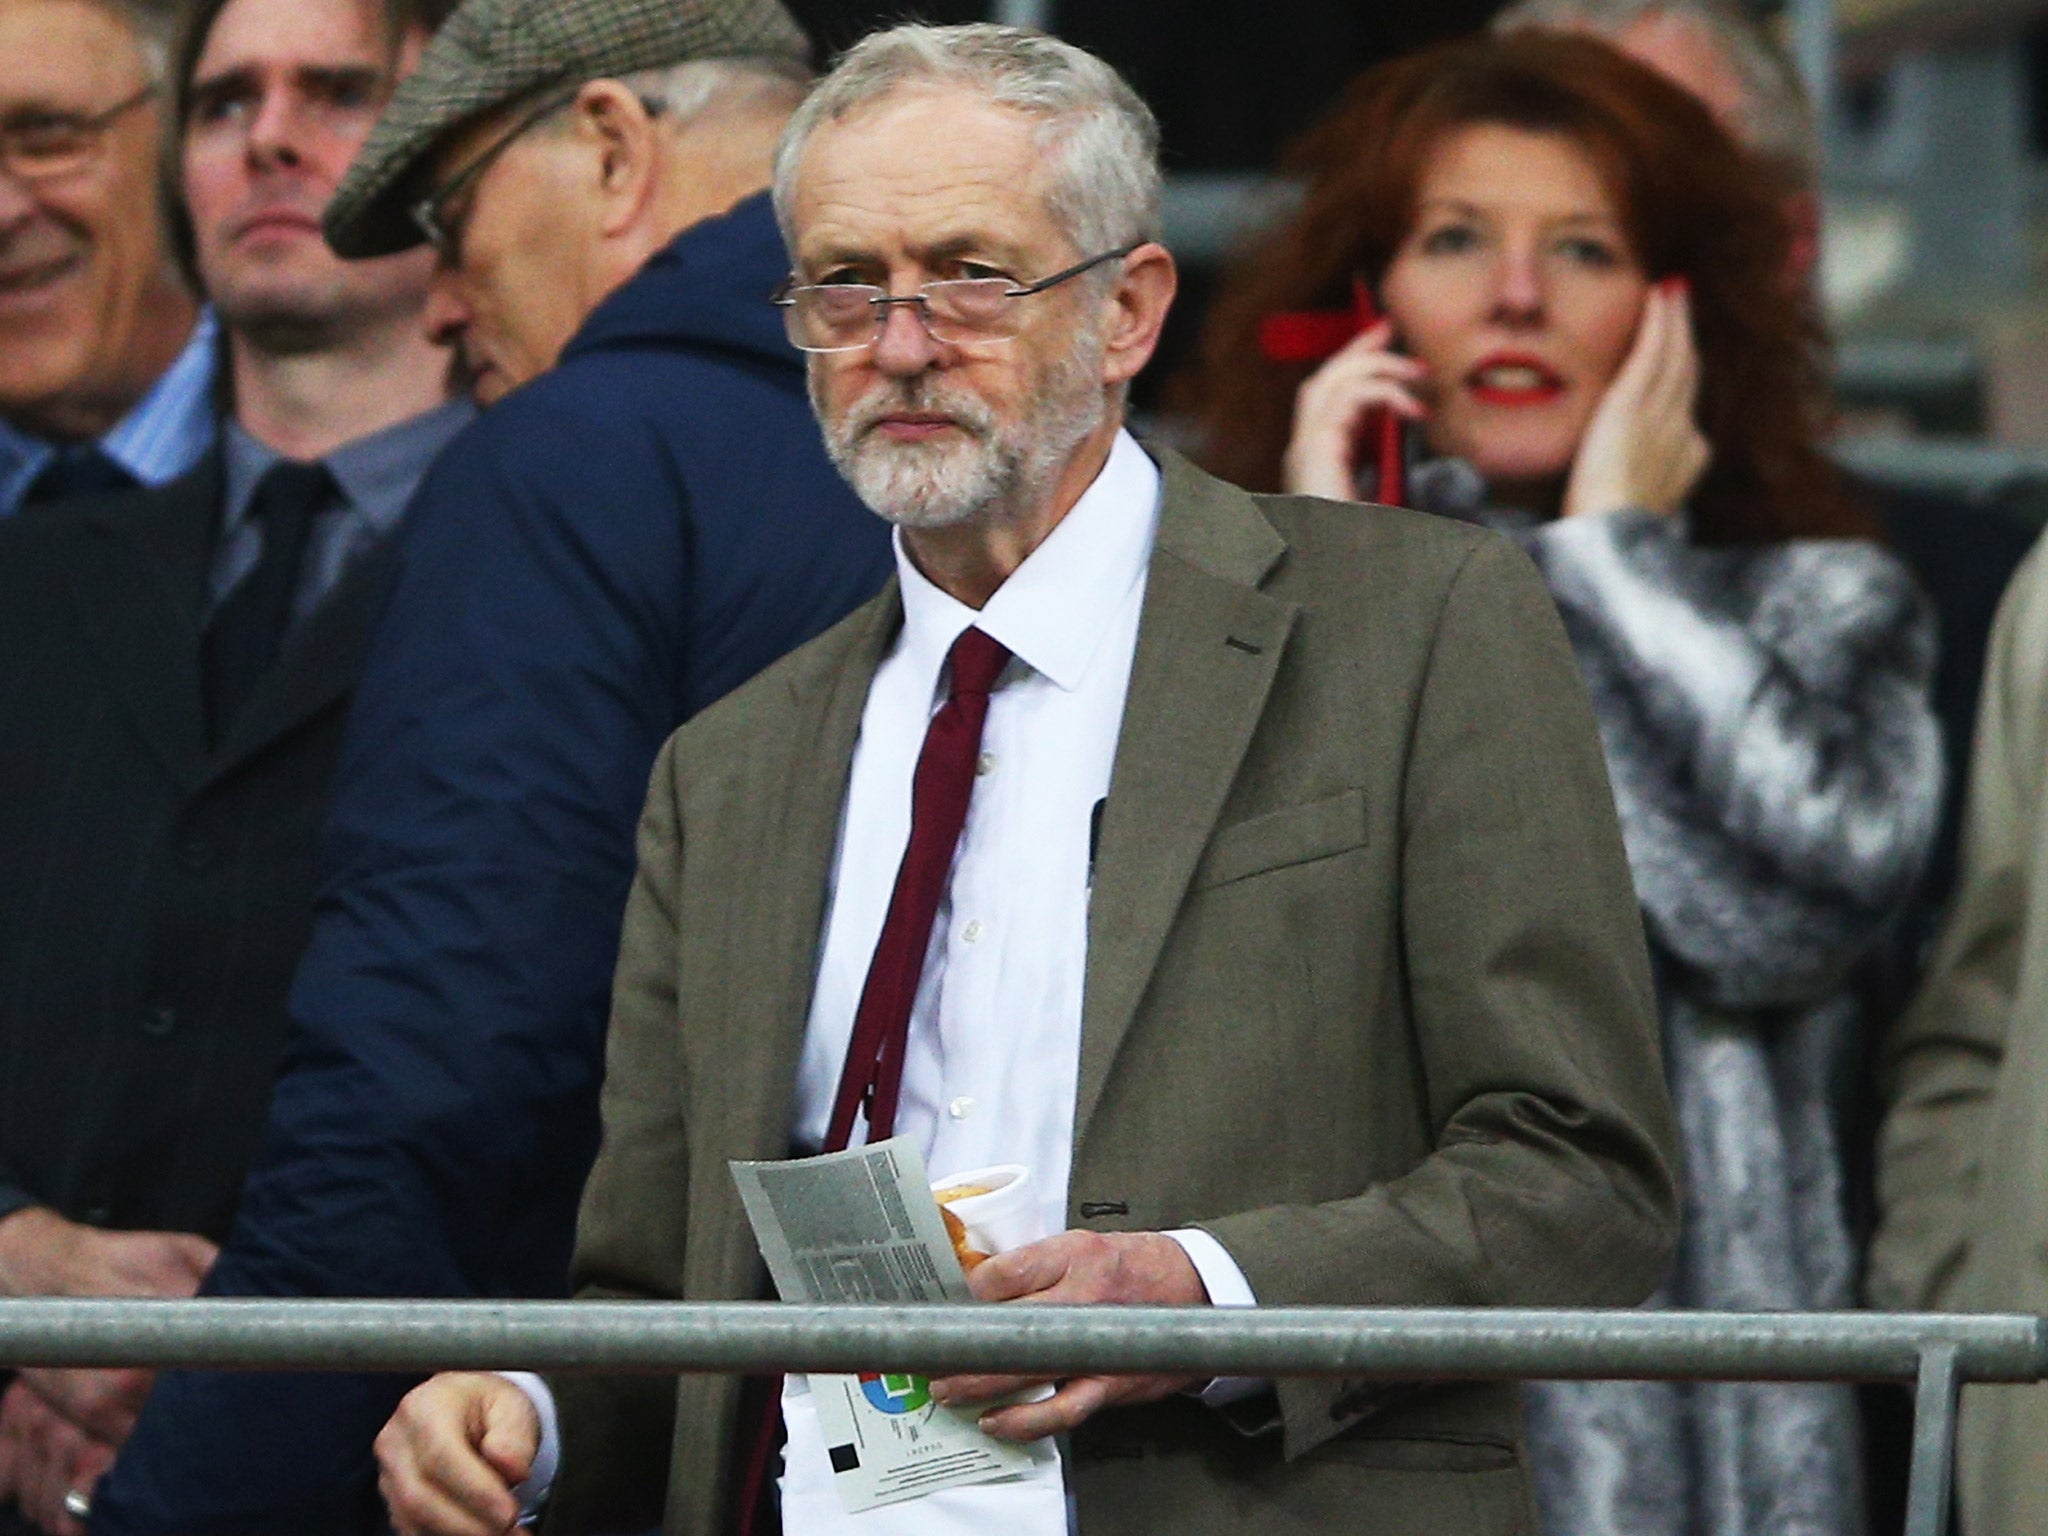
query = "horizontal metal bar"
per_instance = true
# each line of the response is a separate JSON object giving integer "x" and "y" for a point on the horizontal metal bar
{"x": 1396, "y": 1344}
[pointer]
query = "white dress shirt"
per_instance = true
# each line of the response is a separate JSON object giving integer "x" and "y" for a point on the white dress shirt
{"x": 991, "y": 1063}
{"x": 994, "y": 1046}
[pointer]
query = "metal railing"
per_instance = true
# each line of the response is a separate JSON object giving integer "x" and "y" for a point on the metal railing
{"x": 1938, "y": 1352}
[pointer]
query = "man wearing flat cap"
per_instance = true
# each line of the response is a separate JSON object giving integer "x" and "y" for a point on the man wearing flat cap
{"x": 642, "y": 519}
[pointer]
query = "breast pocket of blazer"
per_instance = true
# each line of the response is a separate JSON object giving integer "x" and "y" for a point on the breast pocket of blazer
{"x": 1294, "y": 834}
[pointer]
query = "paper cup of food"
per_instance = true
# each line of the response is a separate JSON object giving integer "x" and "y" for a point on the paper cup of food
{"x": 990, "y": 1210}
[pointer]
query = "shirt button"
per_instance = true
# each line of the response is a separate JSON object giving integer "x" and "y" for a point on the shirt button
{"x": 960, "y": 1108}
{"x": 972, "y": 931}
{"x": 196, "y": 853}
{"x": 985, "y": 764}
{"x": 159, "y": 1022}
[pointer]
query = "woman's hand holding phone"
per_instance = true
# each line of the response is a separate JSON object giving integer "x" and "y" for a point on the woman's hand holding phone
{"x": 1329, "y": 447}
{"x": 1642, "y": 448}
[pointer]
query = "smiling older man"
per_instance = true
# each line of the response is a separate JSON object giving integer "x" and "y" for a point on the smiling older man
{"x": 1245, "y": 866}
{"x": 106, "y": 362}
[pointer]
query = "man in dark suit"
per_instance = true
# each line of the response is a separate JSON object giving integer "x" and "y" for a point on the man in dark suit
{"x": 174, "y": 668}
{"x": 1245, "y": 867}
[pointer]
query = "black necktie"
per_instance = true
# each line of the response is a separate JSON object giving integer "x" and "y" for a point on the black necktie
{"x": 81, "y": 469}
{"x": 247, "y": 629}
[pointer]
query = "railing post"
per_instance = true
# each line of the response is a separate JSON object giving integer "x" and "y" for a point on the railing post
{"x": 1934, "y": 1443}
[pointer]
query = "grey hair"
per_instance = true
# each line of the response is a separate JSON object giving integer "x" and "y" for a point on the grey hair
{"x": 1777, "y": 118}
{"x": 1099, "y": 138}
{"x": 681, "y": 93}
{"x": 155, "y": 25}
{"x": 685, "y": 91}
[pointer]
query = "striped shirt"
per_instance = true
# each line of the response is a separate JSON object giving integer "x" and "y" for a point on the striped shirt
{"x": 165, "y": 435}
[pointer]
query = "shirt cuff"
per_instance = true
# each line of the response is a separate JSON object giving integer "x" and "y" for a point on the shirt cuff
{"x": 1227, "y": 1287}
{"x": 547, "y": 1460}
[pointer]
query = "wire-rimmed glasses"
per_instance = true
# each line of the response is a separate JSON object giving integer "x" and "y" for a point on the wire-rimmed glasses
{"x": 44, "y": 145}
{"x": 431, "y": 213}
{"x": 845, "y": 317}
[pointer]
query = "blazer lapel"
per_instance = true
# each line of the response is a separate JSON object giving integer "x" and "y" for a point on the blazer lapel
{"x": 1209, "y": 644}
{"x": 320, "y": 664}
{"x": 781, "y": 914}
{"x": 151, "y": 548}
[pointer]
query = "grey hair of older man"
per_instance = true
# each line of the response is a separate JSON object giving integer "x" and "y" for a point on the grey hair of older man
{"x": 1100, "y": 139}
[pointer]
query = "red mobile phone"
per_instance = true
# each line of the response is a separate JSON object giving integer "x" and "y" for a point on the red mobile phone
{"x": 1383, "y": 427}
{"x": 1310, "y": 336}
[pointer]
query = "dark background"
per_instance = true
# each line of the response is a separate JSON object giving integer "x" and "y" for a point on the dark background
{"x": 1230, "y": 87}
{"x": 1231, "y": 80}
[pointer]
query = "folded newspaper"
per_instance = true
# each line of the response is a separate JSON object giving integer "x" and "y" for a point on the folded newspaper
{"x": 861, "y": 1226}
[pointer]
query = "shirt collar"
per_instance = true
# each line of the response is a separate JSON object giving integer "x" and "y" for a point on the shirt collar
{"x": 165, "y": 434}
{"x": 376, "y": 474}
{"x": 173, "y": 424}
{"x": 379, "y": 473}
{"x": 1056, "y": 608}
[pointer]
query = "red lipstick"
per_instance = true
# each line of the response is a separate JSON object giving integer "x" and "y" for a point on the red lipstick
{"x": 1514, "y": 379}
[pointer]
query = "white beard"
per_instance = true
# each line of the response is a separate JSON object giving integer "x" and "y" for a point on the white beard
{"x": 988, "y": 467}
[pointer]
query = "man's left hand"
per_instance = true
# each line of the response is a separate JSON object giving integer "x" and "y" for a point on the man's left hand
{"x": 103, "y": 1403}
{"x": 42, "y": 1458}
{"x": 1077, "y": 1269}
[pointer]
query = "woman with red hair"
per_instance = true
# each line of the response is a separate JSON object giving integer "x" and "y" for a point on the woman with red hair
{"x": 1588, "y": 341}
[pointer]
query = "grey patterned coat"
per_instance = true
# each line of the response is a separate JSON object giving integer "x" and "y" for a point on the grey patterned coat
{"x": 1778, "y": 772}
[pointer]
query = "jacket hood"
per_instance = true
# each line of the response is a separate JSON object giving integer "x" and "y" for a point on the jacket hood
{"x": 708, "y": 287}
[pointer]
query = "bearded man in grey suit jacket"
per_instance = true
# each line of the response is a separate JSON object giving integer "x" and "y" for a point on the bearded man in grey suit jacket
{"x": 1286, "y": 933}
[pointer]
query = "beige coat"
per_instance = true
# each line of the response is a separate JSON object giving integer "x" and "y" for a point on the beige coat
{"x": 1963, "y": 1156}
{"x": 1366, "y": 997}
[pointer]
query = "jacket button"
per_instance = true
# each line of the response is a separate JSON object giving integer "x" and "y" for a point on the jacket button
{"x": 159, "y": 1022}
{"x": 98, "y": 1216}
{"x": 196, "y": 853}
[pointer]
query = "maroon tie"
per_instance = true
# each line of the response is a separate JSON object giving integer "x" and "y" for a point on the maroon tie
{"x": 872, "y": 1078}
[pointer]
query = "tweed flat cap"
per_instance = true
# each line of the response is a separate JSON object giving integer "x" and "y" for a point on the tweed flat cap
{"x": 491, "y": 52}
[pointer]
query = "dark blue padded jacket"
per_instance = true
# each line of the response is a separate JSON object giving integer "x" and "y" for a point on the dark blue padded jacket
{"x": 602, "y": 554}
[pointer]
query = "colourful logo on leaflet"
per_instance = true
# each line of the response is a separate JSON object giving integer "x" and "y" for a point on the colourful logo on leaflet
{"x": 895, "y": 1394}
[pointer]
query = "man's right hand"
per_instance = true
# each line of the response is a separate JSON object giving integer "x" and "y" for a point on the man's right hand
{"x": 452, "y": 1454}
